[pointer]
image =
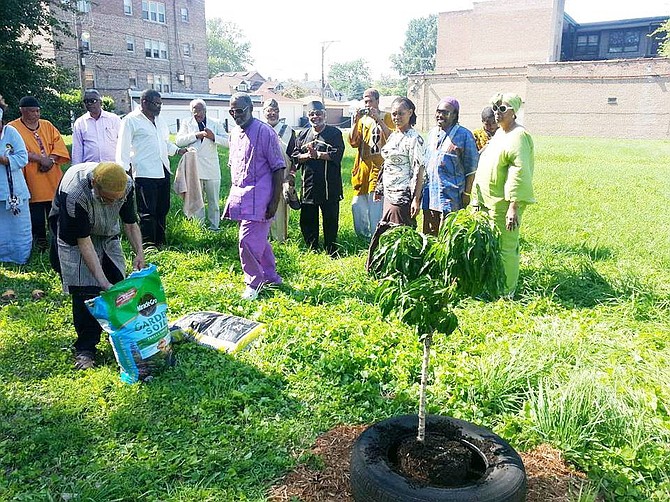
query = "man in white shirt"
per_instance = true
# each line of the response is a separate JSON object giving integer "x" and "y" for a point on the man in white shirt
{"x": 94, "y": 134}
{"x": 143, "y": 148}
{"x": 202, "y": 134}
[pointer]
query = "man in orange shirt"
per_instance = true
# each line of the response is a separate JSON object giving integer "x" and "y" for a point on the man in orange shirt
{"x": 46, "y": 153}
{"x": 368, "y": 135}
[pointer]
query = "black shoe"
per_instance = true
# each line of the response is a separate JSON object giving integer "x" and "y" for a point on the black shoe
{"x": 41, "y": 244}
{"x": 84, "y": 360}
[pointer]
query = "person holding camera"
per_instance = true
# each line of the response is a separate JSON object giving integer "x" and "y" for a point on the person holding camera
{"x": 318, "y": 152}
{"x": 368, "y": 135}
{"x": 46, "y": 154}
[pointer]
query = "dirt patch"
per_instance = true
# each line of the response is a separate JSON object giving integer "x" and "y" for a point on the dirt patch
{"x": 549, "y": 477}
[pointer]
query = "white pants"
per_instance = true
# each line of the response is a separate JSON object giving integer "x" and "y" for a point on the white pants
{"x": 211, "y": 191}
{"x": 367, "y": 213}
{"x": 279, "y": 227}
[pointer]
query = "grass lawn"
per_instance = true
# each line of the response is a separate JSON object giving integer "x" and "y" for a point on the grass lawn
{"x": 580, "y": 359}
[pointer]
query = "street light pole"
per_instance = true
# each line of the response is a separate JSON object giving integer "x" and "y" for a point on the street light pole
{"x": 324, "y": 46}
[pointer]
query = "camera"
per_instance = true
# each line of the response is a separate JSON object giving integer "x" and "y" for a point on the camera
{"x": 363, "y": 111}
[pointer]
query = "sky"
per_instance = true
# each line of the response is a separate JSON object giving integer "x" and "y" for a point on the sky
{"x": 288, "y": 39}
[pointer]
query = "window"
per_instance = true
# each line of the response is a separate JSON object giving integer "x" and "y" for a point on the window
{"x": 132, "y": 79}
{"x": 188, "y": 81}
{"x": 153, "y": 11}
{"x": 85, "y": 44}
{"x": 624, "y": 41}
{"x": 128, "y": 7}
{"x": 160, "y": 83}
{"x": 130, "y": 44}
{"x": 155, "y": 50}
{"x": 184, "y": 15}
{"x": 588, "y": 45}
{"x": 89, "y": 79}
{"x": 186, "y": 50}
{"x": 84, "y": 5}
{"x": 242, "y": 87}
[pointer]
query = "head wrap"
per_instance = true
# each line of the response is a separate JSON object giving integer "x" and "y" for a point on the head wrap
{"x": 29, "y": 102}
{"x": 315, "y": 105}
{"x": 110, "y": 177}
{"x": 512, "y": 99}
{"x": 271, "y": 103}
{"x": 450, "y": 101}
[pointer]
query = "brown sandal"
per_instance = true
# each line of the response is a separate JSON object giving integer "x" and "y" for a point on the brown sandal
{"x": 8, "y": 296}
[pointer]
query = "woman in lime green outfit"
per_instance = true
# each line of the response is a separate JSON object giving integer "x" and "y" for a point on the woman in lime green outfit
{"x": 503, "y": 185}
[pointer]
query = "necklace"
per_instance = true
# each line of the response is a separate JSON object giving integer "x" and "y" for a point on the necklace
{"x": 33, "y": 129}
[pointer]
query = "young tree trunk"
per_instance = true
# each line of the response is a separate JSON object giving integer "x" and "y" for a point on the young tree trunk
{"x": 427, "y": 339}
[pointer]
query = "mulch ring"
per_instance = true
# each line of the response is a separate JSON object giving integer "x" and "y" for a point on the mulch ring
{"x": 549, "y": 477}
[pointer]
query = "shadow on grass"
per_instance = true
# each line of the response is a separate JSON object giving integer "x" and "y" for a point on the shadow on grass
{"x": 211, "y": 425}
{"x": 579, "y": 287}
{"x": 591, "y": 252}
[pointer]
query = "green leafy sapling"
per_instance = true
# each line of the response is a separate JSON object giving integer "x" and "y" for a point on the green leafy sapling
{"x": 423, "y": 278}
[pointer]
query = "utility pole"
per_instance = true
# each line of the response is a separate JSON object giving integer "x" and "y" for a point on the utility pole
{"x": 81, "y": 59}
{"x": 324, "y": 46}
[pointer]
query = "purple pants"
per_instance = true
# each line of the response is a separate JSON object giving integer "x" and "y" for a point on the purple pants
{"x": 256, "y": 256}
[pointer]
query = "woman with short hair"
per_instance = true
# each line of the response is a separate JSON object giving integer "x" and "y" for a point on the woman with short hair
{"x": 401, "y": 177}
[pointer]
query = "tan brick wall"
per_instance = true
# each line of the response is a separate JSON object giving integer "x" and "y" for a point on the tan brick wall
{"x": 495, "y": 33}
{"x": 562, "y": 99}
{"x": 112, "y": 63}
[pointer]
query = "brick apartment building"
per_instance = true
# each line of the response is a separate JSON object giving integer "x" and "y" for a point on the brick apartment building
{"x": 136, "y": 44}
{"x": 596, "y": 79}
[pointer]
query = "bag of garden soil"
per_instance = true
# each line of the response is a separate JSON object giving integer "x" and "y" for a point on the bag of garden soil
{"x": 134, "y": 314}
{"x": 227, "y": 333}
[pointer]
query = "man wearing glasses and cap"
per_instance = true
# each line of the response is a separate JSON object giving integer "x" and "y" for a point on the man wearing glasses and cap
{"x": 46, "y": 154}
{"x": 94, "y": 134}
{"x": 279, "y": 227}
{"x": 143, "y": 149}
{"x": 318, "y": 151}
{"x": 257, "y": 167}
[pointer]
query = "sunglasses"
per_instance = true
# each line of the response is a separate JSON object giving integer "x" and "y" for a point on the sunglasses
{"x": 155, "y": 103}
{"x": 90, "y": 101}
{"x": 315, "y": 113}
{"x": 238, "y": 111}
{"x": 501, "y": 108}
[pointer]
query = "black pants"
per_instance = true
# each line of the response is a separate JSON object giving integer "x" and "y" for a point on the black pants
{"x": 153, "y": 205}
{"x": 309, "y": 224}
{"x": 87, "y": 327}
{"x": 39, "y": 212}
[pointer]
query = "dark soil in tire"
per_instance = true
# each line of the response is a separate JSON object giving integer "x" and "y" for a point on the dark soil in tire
{"x": 473, "y": 464}
{"x": 437, "y": 461}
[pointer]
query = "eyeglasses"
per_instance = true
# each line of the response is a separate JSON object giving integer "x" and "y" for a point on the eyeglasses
{"x": 238, "y": 111}
{"x": 316, "y": 113}
{"x": 501, "y": 108}
{"x": 90, "y": 101}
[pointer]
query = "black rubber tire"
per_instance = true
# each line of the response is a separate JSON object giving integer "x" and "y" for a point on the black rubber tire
{"x": 373, "y": 480}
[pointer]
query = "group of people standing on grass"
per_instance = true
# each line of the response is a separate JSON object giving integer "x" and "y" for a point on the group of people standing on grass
{"x": 490, "y": 170}
{"x": 120, "y": 179}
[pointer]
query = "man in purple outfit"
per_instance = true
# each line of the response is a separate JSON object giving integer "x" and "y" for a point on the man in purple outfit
{"x": 256, "y": 166}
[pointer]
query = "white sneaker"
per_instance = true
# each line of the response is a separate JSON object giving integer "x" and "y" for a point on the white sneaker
{"x": 249, "y": 293}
